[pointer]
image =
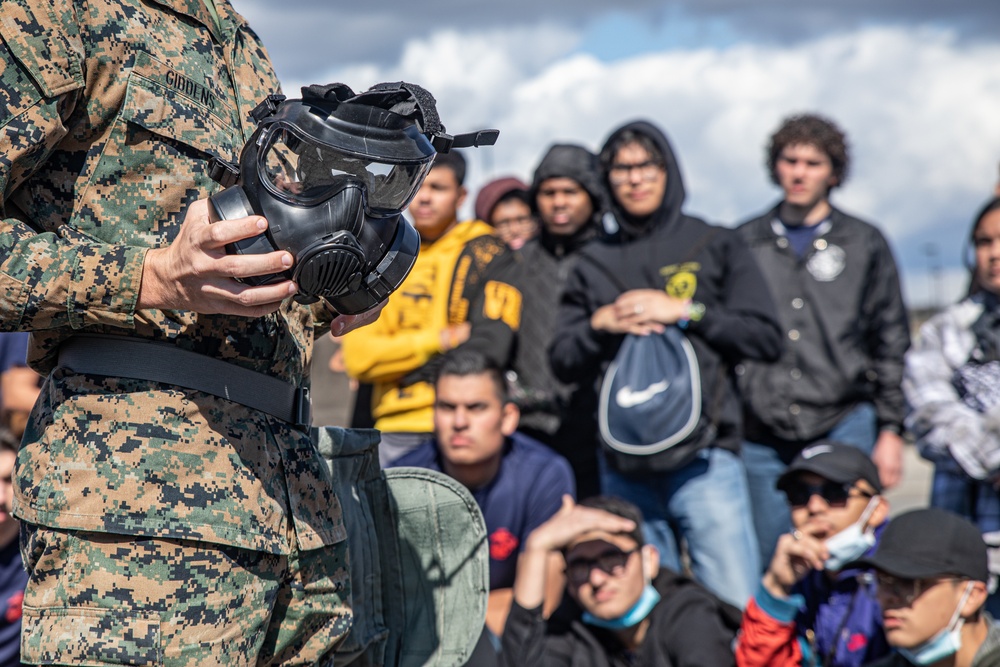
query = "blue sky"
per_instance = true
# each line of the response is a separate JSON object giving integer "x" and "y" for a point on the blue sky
{"x": 914, "y": 83}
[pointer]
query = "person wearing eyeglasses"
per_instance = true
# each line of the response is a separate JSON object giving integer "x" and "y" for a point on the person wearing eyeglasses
{"x": 504, "y": 204}
{"x": 811, "y": 608}
{"x": 621, "y": 608}
{"x": 663, "y": 268}
{"x": 930, "y": 572}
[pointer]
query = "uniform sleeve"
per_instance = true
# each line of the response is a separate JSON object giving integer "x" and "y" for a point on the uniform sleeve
{"x": 55, "y": 279}
{"x": 888, "y": 336}
{"x": 745, "y": 324}
{"x": 768, "y": 639}
{"x": 944, "y": 426}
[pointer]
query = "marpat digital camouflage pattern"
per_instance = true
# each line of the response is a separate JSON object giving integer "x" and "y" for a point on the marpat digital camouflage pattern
{"x": 110, "y": 111}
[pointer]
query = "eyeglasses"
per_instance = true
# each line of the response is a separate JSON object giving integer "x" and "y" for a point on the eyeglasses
{"x": 834, "y": 493}
{"x": 648, "y": 171}
{"x": 906, "y": 590}
{"x": 517, "y": 221}
{"x": 611, "y": 563}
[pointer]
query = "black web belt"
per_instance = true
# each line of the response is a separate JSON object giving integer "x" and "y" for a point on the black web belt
{"x": 117, "y": 356}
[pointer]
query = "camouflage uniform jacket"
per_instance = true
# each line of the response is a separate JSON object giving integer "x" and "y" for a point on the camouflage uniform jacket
{"x": 109, "y": 113}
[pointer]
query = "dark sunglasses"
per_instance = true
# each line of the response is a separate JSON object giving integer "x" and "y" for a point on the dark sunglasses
{"x": 611, "y": 563}
{"x": 834, "y": 493}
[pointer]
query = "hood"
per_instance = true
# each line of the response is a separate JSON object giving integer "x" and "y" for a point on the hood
{"x": 578, "y": 163}
{"x": 673, "y": 198}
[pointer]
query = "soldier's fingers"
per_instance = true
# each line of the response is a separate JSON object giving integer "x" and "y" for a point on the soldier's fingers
{"x": 246, "y": 296}
{"x": 218, "y": 234}
{"x": 245, "y": 266}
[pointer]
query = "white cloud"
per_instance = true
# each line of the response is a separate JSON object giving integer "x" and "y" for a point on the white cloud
{"x": 919, "y": 107}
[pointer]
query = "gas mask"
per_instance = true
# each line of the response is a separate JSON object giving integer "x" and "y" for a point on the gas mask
{"x": 332, "y": 173}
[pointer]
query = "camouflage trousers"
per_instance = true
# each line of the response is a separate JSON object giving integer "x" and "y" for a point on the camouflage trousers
{"x": 103, "y": 599}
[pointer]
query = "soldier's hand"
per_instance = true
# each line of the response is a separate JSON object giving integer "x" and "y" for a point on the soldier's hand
{"x": 195, "y": 273}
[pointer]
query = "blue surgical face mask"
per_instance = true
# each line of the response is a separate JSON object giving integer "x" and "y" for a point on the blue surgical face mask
{"x": 852, "y": 542}
{"x": 945, "y": 643}
{"x": 634, "y": 616}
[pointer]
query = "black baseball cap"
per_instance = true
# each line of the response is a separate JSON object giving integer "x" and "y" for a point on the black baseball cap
{"x": 928, "y": 543}
{"x": 834, "y": 461}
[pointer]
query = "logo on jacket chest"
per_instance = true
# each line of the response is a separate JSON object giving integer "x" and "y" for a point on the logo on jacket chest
{"x": 827, "y": 262}
{"x": 682, "y": 279}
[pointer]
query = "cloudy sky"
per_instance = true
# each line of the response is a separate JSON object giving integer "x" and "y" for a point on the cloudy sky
{"x": 914, "y": 83}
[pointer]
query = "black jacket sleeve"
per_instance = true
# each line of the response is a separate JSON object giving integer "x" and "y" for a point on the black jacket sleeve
{"x": 744, "y": 323}
{"x": 525, "y": 643}
{"x": 887, "y": 336}
{"x": 690, "y": 632}
{"x": 577, "y": 350}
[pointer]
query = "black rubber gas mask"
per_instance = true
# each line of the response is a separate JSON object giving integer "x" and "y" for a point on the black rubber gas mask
{"x": 332, "y": 173}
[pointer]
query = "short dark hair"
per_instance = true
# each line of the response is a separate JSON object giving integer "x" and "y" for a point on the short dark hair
{"x": 452, "y": 160}
{"x": 990, "y": 206}
{"x": 812, "y": 129}
{"x": 608, "y": 153}
{"x": 463, "y": 363}
{"x": 618, "y": 507}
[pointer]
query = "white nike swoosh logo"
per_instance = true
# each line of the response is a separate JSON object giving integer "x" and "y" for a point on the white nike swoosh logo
{"x": 629, "y": 399}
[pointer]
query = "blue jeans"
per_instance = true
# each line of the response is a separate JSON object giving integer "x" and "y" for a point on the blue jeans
{"x": 705, "y": 503}
{"x": 765, "y": 463}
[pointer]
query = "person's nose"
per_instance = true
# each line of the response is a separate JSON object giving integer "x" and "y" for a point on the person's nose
{"x": 461, "y": 419}
{"x": 816, "y": 504}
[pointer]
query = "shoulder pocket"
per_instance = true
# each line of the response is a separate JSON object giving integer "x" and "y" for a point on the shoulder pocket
{"x": 37, "y": 39}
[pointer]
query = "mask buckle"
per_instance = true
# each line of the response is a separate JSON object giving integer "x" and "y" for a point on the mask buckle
{"x": 267, "y": 107}
{"x": 223, "y": 172}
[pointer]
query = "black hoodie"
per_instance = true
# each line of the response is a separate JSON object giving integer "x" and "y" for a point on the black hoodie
{"x": 672, "y": 251}
{"x": 550, "y": 410}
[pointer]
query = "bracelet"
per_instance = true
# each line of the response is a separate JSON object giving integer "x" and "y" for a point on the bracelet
{"x": 693, "y": 312}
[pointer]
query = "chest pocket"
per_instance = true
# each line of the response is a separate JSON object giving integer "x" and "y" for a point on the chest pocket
{"x": 155, "y": 160}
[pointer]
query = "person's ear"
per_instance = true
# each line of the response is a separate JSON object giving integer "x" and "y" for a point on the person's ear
{"x": 462, "y": 194}
{"x": 510, "y": 418}
{"x": 976, "y": 599}
{"x": 650, "y": 561}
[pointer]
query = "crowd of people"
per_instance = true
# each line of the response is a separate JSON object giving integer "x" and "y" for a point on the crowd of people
{"x": 679, "y": 434}
{"x": 749, "y": 534}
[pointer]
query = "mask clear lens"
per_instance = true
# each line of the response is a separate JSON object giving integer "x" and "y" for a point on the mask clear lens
{"x": 305, "y": 173}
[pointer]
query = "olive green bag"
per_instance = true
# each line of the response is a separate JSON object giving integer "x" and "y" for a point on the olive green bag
{"x": 419, "y": 558}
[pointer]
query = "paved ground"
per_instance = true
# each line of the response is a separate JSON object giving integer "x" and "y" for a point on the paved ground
{"x": 914, "y": 490}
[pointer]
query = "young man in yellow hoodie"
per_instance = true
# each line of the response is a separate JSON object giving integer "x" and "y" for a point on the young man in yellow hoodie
{"x": 461, "y": 292}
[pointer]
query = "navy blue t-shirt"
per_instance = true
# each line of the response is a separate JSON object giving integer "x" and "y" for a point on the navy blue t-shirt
{"x": 527, "y": 490}
{"x": 13, "y": 579}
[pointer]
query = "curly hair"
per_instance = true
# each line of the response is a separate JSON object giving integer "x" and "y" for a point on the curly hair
{"x": 812, "y": 129}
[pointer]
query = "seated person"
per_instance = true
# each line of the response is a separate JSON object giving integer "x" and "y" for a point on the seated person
{"x": 810, "y": 608}
{"x": 931, "y": 573}
{"x": 623, "y": 609}
{"x": 517, "y": 482}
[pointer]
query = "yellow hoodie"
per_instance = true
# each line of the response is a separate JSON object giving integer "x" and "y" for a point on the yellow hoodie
{"x": 464, "y": 276}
